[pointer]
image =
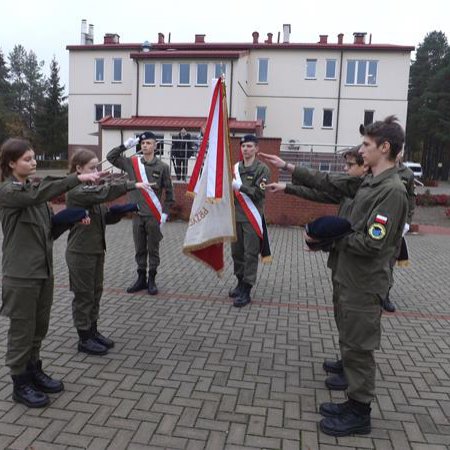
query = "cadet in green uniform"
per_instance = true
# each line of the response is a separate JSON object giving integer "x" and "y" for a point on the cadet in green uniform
{"x": 332, "y": 188}
{"x": 407, "y": 178}
{"x": 245, "y": 251}
{"x": 146, "y": 228}
{"x": 27, "y": 293}
{"x": 85, "y": 254}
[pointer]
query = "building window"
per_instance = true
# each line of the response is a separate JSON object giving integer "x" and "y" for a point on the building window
{"x": 185, "y": 72}
{"x": 263, "y": 70}
{"x": 261, "y": 114}
{"x": 362, "y": 72}
{"x": 99, "y": 70}
{"x": 202, "y": 74}
{"x": 330, "y": 69}
{"x": 311, "y": 65}
{"x": 117, "y": 70}
{"x": 166, "y": 73}
{"x": 327, "y": 121}
{"x": 308, "y": 114}
{"x": 368, "y": 117}
{"x": 107, "y": 110}
{"x": 220, "y": 69}
{"x": 324, "y": 166}
{"x": 149, "y": 74}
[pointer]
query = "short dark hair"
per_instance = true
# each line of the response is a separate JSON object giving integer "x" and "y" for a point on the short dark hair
{"x": 387, "y": 130}
{"x": 12, "y": 150}
{"x": 80, "y": 158}
{"x": 353, "y": 152}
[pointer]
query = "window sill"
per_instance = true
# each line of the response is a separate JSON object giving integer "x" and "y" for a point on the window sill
{"x": 183, "y": 85}
{"x": 149, "y": 85}
{"x": 201, "y": 85}
{"x": 330, "y": 79}
{"x": 308, "y": 78}
{"x": 166, "y": 85}
{"x": 262, "y": 82}
{"x": 99, "y": 81}
{"x": 307, "y": 127}
{"x": 116, "y": 82}
{"x": 326, "y": 128}
{"x": 360, "y": 85}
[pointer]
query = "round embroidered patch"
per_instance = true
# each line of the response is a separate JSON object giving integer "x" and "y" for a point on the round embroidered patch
{"x": 262, "y": 186}
{"x": 377, "y": 231}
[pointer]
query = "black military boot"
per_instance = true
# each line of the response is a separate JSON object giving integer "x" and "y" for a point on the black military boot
{"x": 388, "y": 305}
{"x": 233, "y": 293}
{"x": 140, "y": 284}
{"x": 41, "y": 380}
{"x": 354, "y": 418}
{"x": 106, "y": 342}
{"x": 333, "y": 366}
{"x": 337, "y": 382}
{"x": 87, "y": 344}
{"x": 25, "y": 392}
{"x": 152, "y": 289}
{"x": 244, "y": 296}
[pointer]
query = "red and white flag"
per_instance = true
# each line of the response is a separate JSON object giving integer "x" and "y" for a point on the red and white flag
{"x": 212, "y": 219}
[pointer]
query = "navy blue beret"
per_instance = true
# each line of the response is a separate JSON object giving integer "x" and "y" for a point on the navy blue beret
{"x": 123, "y": 209}
{"x": 69, "y": 216}
{"x": 326, "y": 230}
{"x": 146, "y": 135}
{"x": 249, "y": 138}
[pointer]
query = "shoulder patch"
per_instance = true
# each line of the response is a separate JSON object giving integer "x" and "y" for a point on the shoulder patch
{"x": 377, "y": 231}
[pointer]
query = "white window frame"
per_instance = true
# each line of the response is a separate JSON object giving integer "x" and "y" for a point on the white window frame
{"x": 154, "y": 74}
{"x": 357, "y": 63}
{"x": 312, "y": 118}
{"x": 364, "y": 117}
{"x": 326, "y": 127}
{"x": 97, "y": 60}
{"x": 266, "y": 81}
{"x": 265, "y": 113}
{"x": 326, "y": 67}
{"x": 114, "y": 70}
{"x": 162, "y": 74}
{"x": 314, "y": 77}
{"x": 327, "y": 167}
{"x": 104, "y": 105}
{"x": 224, "y": 72}
{"x": 196, "y": 78}
{"x": 179, "y": 74}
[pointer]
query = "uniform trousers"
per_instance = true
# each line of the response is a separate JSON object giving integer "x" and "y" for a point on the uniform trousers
{"x": 27, "y": 302}
{"x": 245, "y": 252}
{"x": 147, "y": 236}
{"x": 86, "y": 283}
{"x": 359, "y": 326}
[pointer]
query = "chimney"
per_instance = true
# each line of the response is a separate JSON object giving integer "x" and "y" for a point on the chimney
{"x": 269, "y": 38}
{"x": 340, "y": 38}
{"x": 91, "y": 34}
{"x": 286, "y": 33}
{"x": 83, "y": 31}
{"x": 359, "y": 38}
{"x": 199, "y": 38}
{"x": 323, "y": 38}
{"x": 111, "y": 38}
{"x": 160, "y": 38}
{"x": 255, "y": 35}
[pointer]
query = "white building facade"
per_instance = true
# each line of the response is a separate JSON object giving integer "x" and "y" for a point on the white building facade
{"x": 309, "y": 95}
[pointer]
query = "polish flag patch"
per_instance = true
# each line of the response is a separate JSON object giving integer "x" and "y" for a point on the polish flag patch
{"x": 381, "y": 219}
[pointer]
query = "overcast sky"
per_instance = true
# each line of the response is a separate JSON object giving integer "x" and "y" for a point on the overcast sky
{"x": 47, "y": 26}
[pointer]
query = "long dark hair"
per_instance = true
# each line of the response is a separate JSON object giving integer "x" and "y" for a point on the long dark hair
{"x": 80, "y": 158}
{"x": 12, "y": 150}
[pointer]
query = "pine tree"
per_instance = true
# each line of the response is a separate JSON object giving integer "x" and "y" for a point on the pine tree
{"x": 5, "y": 98}
{"x": 51, "y": 121}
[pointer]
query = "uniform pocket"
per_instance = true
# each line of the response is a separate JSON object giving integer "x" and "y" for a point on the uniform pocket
{"x": 360, "y": 322}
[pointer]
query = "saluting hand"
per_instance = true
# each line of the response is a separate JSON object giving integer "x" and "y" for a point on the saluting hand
{"x": 272, "y": 159}
{"x": 93, "y": 177}
{"x": 276, "y": 187}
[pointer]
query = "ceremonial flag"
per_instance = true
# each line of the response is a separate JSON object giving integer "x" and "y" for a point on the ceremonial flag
{"x": 212, "y": 219}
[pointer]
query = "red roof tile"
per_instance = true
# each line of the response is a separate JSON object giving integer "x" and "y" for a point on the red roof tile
{"x": 175, "y": 123}
{"x": 198, "y": 54}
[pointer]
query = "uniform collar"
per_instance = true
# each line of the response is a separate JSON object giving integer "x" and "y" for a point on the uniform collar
{"x": 245, "y": 168}
{"x": 149, "y": 163}
{"x": 374, "y": 181}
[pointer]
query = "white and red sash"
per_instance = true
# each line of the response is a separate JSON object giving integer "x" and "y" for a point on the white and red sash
{"x": 148, "y": 193}
{"x": 249, "y": 208}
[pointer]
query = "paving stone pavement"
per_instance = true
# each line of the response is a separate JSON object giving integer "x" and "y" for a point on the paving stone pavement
{"x": 189, "y": 371}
